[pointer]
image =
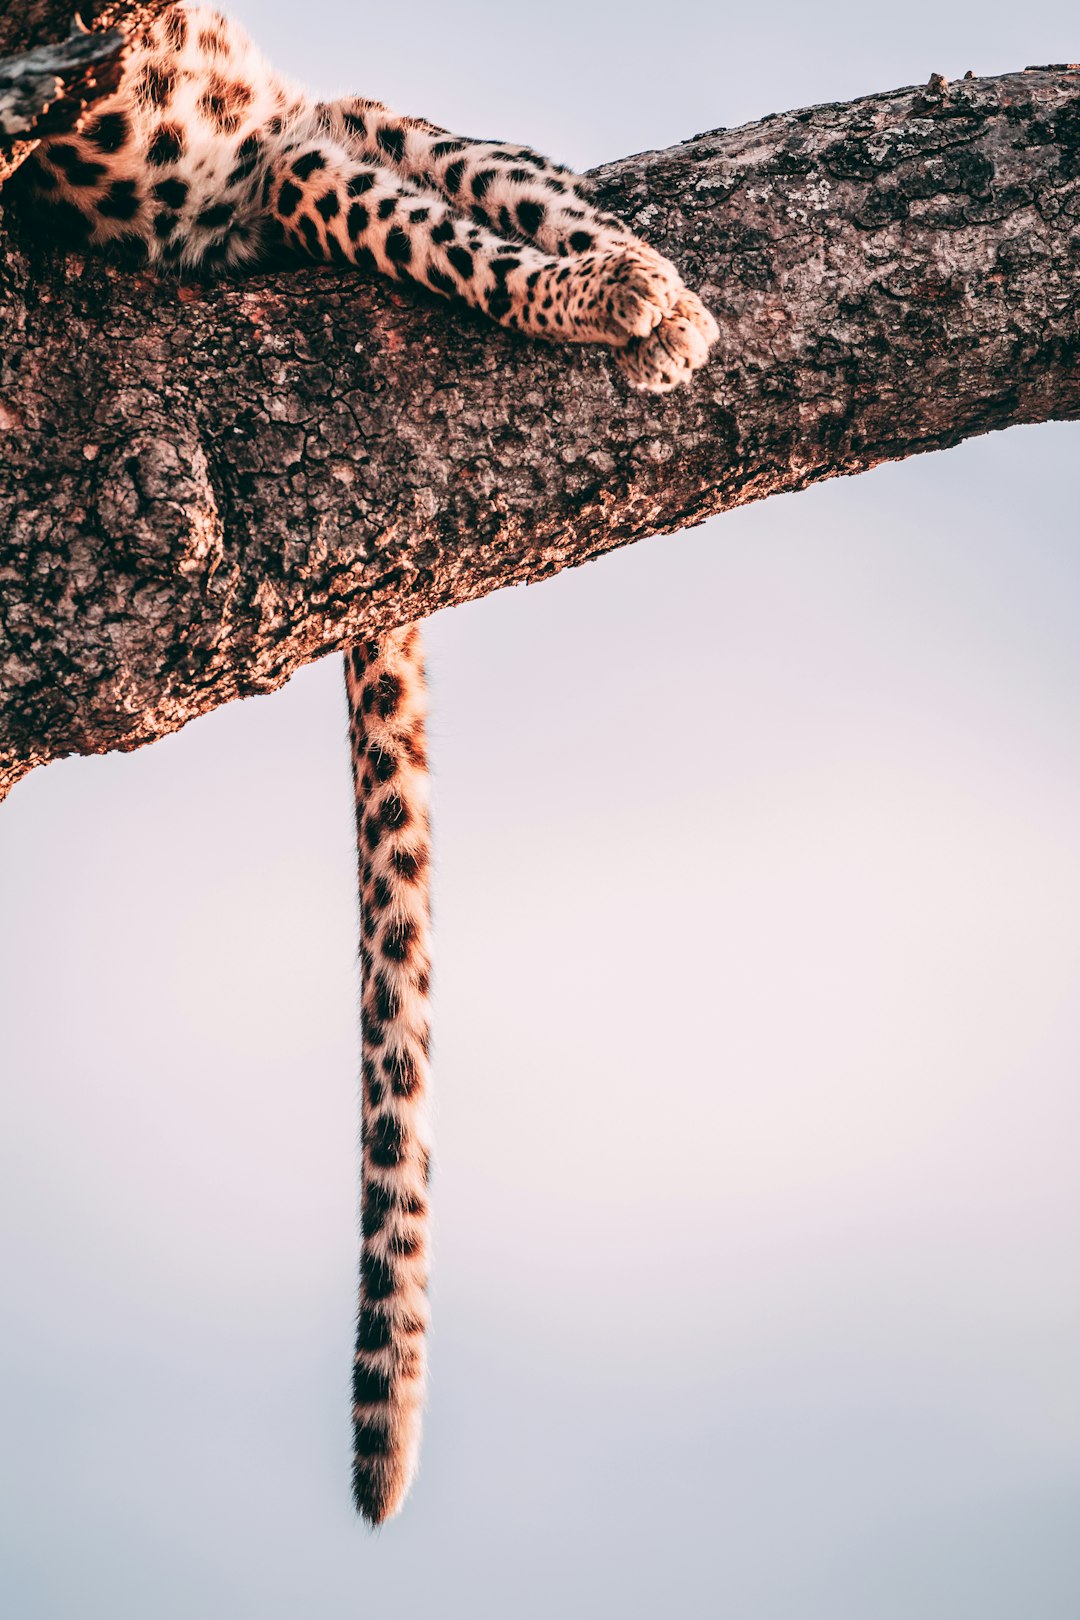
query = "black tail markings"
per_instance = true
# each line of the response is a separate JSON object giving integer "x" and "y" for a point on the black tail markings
{"x": 384, "y": 680}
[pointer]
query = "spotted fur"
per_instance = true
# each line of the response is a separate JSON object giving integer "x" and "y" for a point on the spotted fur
{"x": 204, "y": 157}
{"x": 384, "y": 680}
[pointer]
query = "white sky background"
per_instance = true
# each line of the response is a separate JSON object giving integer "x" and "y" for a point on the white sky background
{"x": 758, "y": 1023}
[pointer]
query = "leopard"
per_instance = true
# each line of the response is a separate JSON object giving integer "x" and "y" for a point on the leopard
{"x": 206, "y": 160}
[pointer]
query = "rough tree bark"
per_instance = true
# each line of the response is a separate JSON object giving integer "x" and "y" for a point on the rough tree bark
{"x": 204, "y": 487}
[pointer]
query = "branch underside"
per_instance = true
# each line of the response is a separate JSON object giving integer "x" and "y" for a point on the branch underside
{"x": 203, "y": 487}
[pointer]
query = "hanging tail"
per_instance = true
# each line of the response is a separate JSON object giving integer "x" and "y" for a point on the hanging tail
{"x": 384, "y": 681}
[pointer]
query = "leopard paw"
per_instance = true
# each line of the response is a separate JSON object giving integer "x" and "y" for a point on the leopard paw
{"x": 631, "y": 290}
{"x": 670, "y": 351}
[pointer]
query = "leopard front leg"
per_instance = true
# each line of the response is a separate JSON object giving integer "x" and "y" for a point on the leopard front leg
{"x": 519, "y": 193}
{"x": 325, "y": 203}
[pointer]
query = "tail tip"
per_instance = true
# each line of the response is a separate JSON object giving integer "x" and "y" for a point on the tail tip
{"x": 379, "y": 1489}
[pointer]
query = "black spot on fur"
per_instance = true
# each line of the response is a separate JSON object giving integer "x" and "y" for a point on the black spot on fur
{"x": 389, "y": 693}
{"x": 397, "y": 939}
{"x": 462, "y": 261}
{"x": 581, "y": 241}
{"x": 387, "y": 1000}
{"x": 379, "y": 1278}
{"x": 328, "y": 205}
{"x": 214, "y": 40}
{"x": 172, "y": 192}
{"x": 361, "y": 182}
{"x": 358, "y": 220}
{"x": 120, "y": 201}
{"x": 443, "y": 149}
{"x": 167, "y": 145}
{"x": 398, "y": 246}
{"x": 373, "y": 1086}
{"x": 452, "y": 177}
{"x": 384, "y": 762}
{"x": 530, "y": 216}
{"x": 216, "y": 215}
{"x": 369, "y": 1440}
{"x": 247, "y": 156}
{"x": 405, "y": 1244}
{"x": 409, "y": 863}
{"x": 220, "y": 114}
{"x": 440, "y": 280}
{"x": 288, "y": 197}
{"x": 306, "y": 165}
{"x": 499, "y": 303}
{"x": 354, "y": 124}
{"x": 401, "y": 1071}
{"x": 386, "y": 1141}
{"x": 157, "y": 83}
{"x": 395, "y": 812}
{"x": 78, "y": 170}
{"x": 386, "y": 207}
{"x": 392, "y": 141}
{"x": 371, "y": 1387}
{"x": 378, "y": 1202}
{"x": 109, "y": 132}
{"x": 373, "y": 1331}
{"x": 164, "y": 225}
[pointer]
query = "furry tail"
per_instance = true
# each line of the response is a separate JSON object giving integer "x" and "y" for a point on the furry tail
{"x": 384, "y": 680}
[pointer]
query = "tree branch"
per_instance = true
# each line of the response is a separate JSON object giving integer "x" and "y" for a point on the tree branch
{"x": 204, "y": 487}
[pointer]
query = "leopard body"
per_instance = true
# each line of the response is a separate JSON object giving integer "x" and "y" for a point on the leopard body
{"x": 207, "y": 158}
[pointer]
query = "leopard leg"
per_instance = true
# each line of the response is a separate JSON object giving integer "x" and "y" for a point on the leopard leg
{"x": 512, "y": 189}
{"x": 322, "y": 201}
{"x": 384, "y": 681}
{"x": 522, "y": 195}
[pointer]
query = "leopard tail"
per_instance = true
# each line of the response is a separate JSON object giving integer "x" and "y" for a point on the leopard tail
{"x": 384, "y": 682}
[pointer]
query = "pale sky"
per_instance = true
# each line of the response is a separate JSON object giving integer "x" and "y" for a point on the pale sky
{"x": 757, "y": 1034}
